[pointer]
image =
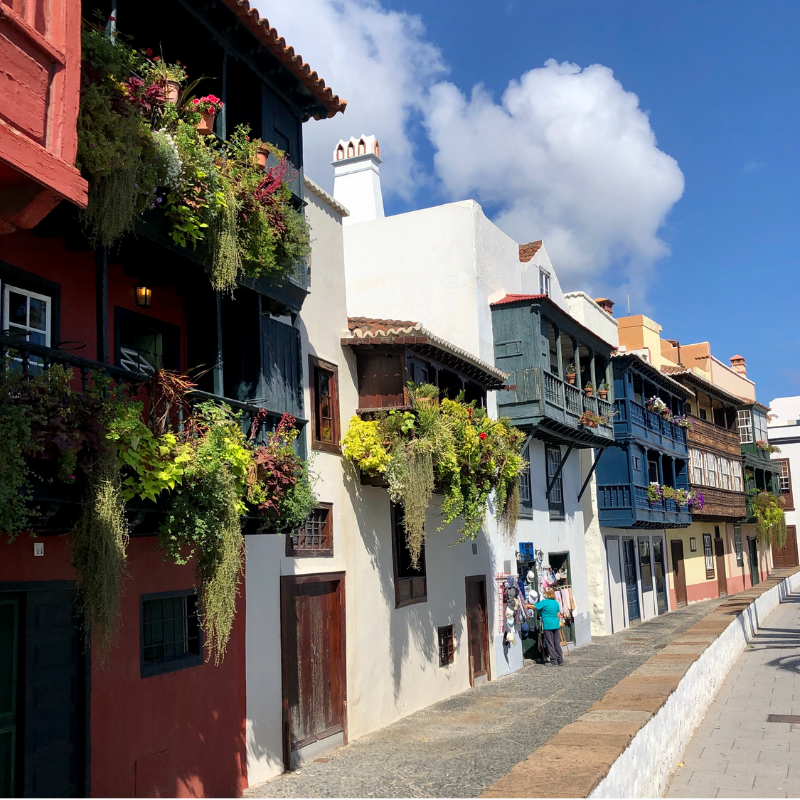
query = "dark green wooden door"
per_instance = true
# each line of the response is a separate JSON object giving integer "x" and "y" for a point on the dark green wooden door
{"x": 752, "y": 552}
{"x": 282, "y": 367}
{"x": 9, "y": 691}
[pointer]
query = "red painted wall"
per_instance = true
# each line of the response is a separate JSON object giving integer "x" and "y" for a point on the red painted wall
{"x": 176, "y": 735}
{"x": 74, "y": 272}
{"x": 179, "y": 734}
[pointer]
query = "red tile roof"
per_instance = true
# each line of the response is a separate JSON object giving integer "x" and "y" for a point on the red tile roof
{"x": 513, "y": 298}
{"x": 268, "y": 36}
{"x": 368, "y": 330}
{"x": 529, "y": 250}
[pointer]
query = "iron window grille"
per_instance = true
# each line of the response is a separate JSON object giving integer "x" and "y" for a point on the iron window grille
{"x": 315, "y": 538}
{"x": 708, "y": 552}
{"x": 171, "y": 636}
{"x": 737, "y": 544}
{"x": 446, "y": 648}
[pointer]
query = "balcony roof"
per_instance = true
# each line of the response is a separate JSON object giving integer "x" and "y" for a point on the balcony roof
{"x": 655, "y": 375}
{"x": 260, "y": 28}
{"x": 370, "y": 331}
{"x": 682, "y": 374}
{"x": 558, "y": 315}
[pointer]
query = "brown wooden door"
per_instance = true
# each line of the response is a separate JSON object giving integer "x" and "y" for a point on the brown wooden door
{"x": 722, "y": 578}
{"x": 477, "y": 628}
{"x": 313, "y": 655}
{"x": 678, "y": 571}
{"x": 786, "y": 556}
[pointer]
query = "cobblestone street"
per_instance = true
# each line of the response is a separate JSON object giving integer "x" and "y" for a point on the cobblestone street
{"x": 459, "y": 747}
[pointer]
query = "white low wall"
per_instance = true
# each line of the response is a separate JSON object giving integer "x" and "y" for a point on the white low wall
{"x": 643, "y": 770}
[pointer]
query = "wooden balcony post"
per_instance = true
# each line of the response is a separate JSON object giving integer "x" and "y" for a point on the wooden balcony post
{"x": 577, "y": 359}
{"x": 610, "y": 380}
{"x": 560, "y": 373}
{"x": 592, "y": 376}
{"x": 101, "y": 302}
{"x": 218, "y": 382}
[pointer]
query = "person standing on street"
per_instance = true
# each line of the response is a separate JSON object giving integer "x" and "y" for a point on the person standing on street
{"x": 551, "y": 624}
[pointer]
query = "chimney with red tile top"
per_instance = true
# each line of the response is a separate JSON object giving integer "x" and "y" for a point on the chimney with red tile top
{"x": 357, "y": 178}
{"x": 606, "y": 304}
{"x": 738, "y": 365}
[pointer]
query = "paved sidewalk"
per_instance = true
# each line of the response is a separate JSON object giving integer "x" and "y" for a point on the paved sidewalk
{"x": 461, "y": 746}
{"x": 735, "y": 752}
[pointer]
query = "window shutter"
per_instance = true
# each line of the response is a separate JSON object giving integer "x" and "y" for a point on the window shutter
{"x": 283, "y": 371}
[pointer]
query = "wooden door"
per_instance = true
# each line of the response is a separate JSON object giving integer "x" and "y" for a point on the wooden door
{"x": 9, "y": 694}
{"x": 477, "y": 628}
{"x": 678, "y": 571}
{"x": 722, "y": 578}
{"x": 631, "y": 580}
{"x": 659, "y": 575}
{"x": 752, "y": 557}
{"x": 786, "y": 556}
{"x": 313, "y": 656}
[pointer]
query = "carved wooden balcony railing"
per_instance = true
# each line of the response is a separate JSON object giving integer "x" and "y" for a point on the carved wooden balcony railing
{"x": 707, "y": 436}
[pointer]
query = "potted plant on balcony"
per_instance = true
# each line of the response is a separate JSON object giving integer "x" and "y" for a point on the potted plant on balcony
{"x": 766, "y": 447}
{"x": 602, "y": 391}
{"x": 588, "y": 389}
{"x": 683, "y": 422}
{"x": 591, "y": 420}
{"x": 207, "y": 107}
{"x": 448, "y": 445}
{"x": 570, "y": 373}
{"x": 169, "y": 76}
{"x": 657, "y": 406}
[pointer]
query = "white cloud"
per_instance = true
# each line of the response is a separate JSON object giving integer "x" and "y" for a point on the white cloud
{"x": 377, "y": 60}
{"x": 567, "y": 156}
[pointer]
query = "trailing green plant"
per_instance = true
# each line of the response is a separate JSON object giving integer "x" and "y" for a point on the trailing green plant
{"x": 447, "y": 445}
{"x": 99, "y": 548}
{"x": 768, "y": 512}
{"x": 140, "y": 153}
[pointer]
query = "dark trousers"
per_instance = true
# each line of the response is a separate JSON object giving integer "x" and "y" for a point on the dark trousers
{"x": 553, "y": 643}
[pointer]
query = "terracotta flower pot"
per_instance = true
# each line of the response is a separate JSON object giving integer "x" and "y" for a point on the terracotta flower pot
{"x": 206, "y": 124}
{"x": 263, "y": 155}
{"x": 172, "y": 90}
{"x": 571, "y": 377}
{"x": 603, "y": 394}
{"x": 588, "y": 392}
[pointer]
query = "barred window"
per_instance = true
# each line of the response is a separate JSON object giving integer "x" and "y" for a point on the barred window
{"x": 737, "y": 544}
{"x": 446, "y": 649}
{"x": 170, "y": 637}
{"x": 315, "y": 538}
{"x": 745, "y": 424}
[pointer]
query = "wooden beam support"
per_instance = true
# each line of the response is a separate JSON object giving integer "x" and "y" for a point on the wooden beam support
{"x": 591, "y": 472}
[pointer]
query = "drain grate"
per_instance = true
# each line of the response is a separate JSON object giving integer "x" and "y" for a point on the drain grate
{"x": 794, "y": 719}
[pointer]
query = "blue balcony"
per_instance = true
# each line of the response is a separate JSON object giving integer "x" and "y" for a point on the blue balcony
{"x": 626, "y": 506}
{"x": 633, "y": 420}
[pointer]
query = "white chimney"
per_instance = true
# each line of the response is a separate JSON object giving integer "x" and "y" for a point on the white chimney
{"x": 357, "y": 179}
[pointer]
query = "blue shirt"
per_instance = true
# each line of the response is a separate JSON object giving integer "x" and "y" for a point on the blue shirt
{"x": 549, "y": 610}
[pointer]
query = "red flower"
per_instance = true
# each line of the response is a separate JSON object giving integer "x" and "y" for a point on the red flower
{"x": 149, "y": 52}
{"x": 111, "y": 18}
{"x": 157, "y": 58}
{"x": 482, "y": 435}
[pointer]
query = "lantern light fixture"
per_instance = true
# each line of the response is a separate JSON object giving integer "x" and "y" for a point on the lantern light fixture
{"x": 144, "y": 294}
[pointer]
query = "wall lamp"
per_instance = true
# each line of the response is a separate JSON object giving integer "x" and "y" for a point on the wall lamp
{"x": 144, "y": 294}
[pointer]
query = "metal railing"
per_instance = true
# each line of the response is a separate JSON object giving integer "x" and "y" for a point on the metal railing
{"x": 34, "y": 359}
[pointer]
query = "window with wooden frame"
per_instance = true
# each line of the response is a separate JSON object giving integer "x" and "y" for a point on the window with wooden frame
{"x": 446, "y": 648}
{"x": 555, "y": 500}
{"x": 786, "y": 483}
{"x": 410, "y": 581}
{"x": 737, "y": 544}
{"x": 324, "y": 390}
{"x": 745, "y": 425}
{"x": 315, "y": 538}
{"x": 170, "y": 632}
{"x": 525, "y": 497}
{"x": 708, "y": 553}
{"x": 645, "y": 565}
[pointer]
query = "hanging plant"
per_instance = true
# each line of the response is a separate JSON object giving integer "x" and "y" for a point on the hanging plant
{"x": 140, "y": 149}
{"x": 766, "y": 447}
{"x": 450, "y": 445}
{"x": 768, "y": 511}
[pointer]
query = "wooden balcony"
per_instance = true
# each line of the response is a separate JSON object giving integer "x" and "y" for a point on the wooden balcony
{"x": 633, "y": 420}
{"x": 626, "y": 506}
{"x": 552, "y": 409}
{"x": 40, "y": 52}
{"x": 707, "y": 436}
{"x": 720, "y": 504}
{"x": 57, "y": 503}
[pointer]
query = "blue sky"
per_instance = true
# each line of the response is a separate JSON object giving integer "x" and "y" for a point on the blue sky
{"x": 718, "y": 81}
